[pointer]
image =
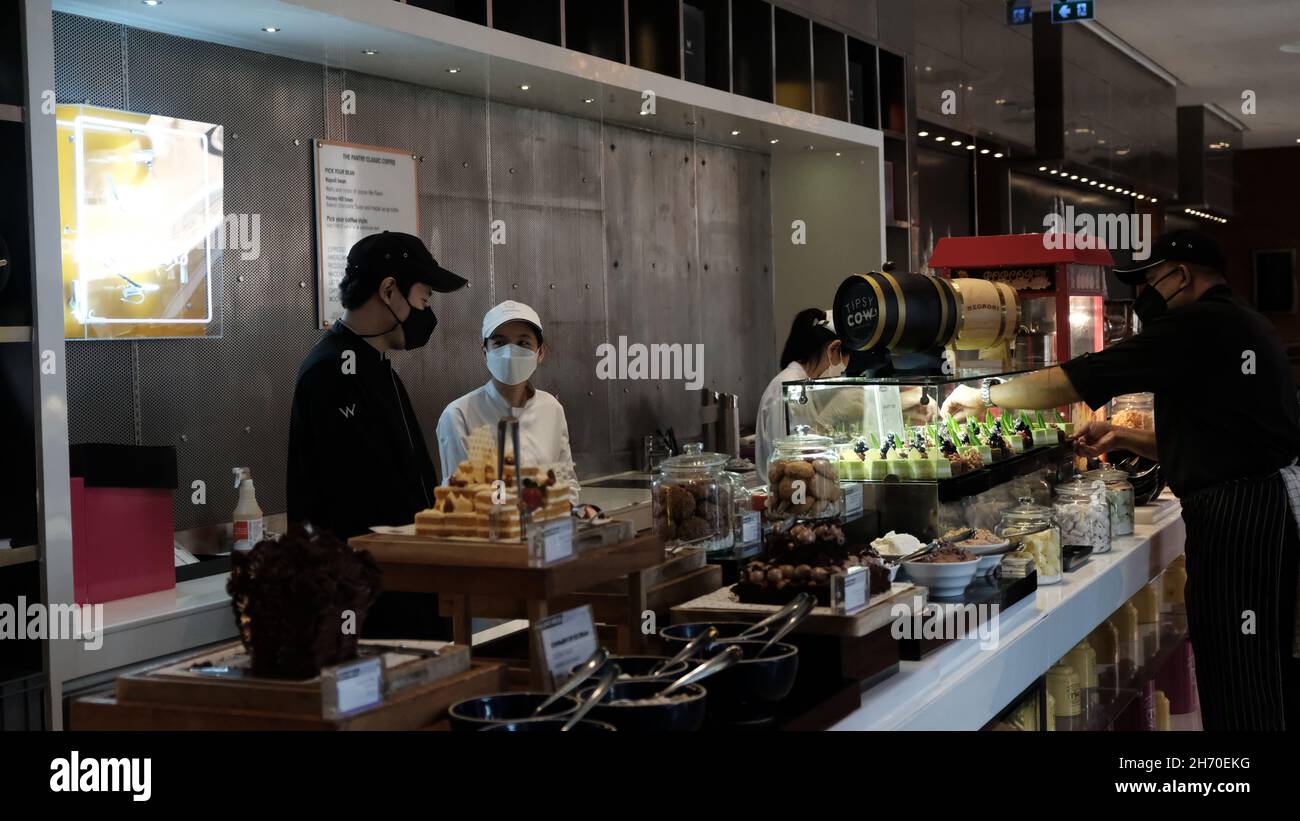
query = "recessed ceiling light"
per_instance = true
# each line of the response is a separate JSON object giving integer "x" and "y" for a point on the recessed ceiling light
{"x": 452, "y": 70}
{"x": 1153, "y": 199}
{"x": 589, "y": 100}
{"x": 927, "y": 133}
{"x": 970, "y": 147}
{"x": 1000, "y": 101}
{"x": 927, "y": 68}
{"x": 997, "y": 155}
{"x": 369, "y": 52}
{"x": 1042, "y": 168}
{"x": 1094, "y": 182}
{"x": 1083, "y": 179}
{"x": 940, "y": 139}
{"x": 956, "y": 143}
{"x": 524, "y": 87}
{"x": 837, "y": 153}
{"x": 152, "y": 2}
{"x": 735, "y": 132}
{"x": 1074, "y": 176}
{"x": 1053, "y": 172}
{"x": 270, "y": 29}
{"x": 774, "y": 140}
{"x": 984, "y": 151}
{"x": 811, "y": 148}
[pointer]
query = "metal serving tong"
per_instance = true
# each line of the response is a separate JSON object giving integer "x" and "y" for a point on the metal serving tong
{"x": 931, "y": 547}
{"x": 791, "y": 622}
{"x": 716, "y": 664}
{"x": 607, "y": 680}
{"x": 687, "y": 651}
{"x": 580, "y": 674}
{"x": 800, "y": 601}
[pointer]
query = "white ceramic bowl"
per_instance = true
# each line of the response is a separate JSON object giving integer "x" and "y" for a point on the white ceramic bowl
{"x": 988, "y": 564}
{"x": 985, "y": 549}
{"x": 944, "y": 579}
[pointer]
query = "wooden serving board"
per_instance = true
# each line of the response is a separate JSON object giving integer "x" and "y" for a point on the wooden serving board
{"x": 223, "y": 679}
{"x": 410, "y": 709}
{"x": 721, "y": 605}
{"x": 426, "y": 565}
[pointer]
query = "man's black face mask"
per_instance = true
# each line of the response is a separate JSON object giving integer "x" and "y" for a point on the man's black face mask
{"x": 416, "y": 328}
{"x": 1151, "y": 303}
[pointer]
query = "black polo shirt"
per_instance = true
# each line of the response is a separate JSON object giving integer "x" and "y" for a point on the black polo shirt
{"x": 1225, "y": 402}
{"x": 357, "y": 456}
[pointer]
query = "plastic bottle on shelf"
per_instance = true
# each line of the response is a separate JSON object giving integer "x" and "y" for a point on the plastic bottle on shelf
{"x": 1147, "y": 602}
{"x": 1104, "y": 640}
{"x": 1125, "y": 620}
{"x": 1083, "y": 658}
{"x": 1066, "y": 695}
{"x": 247, "y": 530}
{"x": 1163, "y": 723}
{"x": 1174, "y": 581}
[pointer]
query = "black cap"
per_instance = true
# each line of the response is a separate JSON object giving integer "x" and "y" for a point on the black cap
{"x": 391, "y": 253}
{"x": 1187, "y": 246}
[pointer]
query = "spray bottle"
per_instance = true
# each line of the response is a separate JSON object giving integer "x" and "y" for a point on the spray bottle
{"x": 247, "y": 516}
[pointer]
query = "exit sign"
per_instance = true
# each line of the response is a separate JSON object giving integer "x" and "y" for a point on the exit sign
{"x": 1019, "y": 13}
{"x": 1068, "y": 12}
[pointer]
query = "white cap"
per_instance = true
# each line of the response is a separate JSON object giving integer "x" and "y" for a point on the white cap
{"x": 506, "y": 312}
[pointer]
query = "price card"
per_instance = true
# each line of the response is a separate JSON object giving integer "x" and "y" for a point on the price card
{"x": 852, "y": 492}
{"x": 751, "y": 528}
{"x": 351, "y": 687}
{"x": 851, "y": 591}
{"x": 566, "y": 639}
{"x": 552, "y": 541}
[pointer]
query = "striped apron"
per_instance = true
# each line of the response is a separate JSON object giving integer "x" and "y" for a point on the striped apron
{"x": 1242, "y": 552}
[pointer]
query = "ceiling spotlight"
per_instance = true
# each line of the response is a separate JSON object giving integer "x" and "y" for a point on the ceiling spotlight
{"x": 270, "y": 29}
{"x": 1074, "y": 176}
{"x": 970, "y": 146}
{"x": 927, "y": 133}
{"x": 1042, "y": 168}
{"x": 735, "y": 132}
{"x": 152, "y": 2}
{"x": 940, "y": 139}
{"x": 1083, "y": 179}
{"x": 1053, "y": 172}
{"x": 927, "y": 68}
{"x": 837, "y": 153}
{"x": 524, "y": 87}
{"x": 997, "y": 155}
{"x": 984, "y": 151}
{"x": 956, "y": 143}
{"x": 811, "y": 148}
{"x": 453, "y": 70}
{"x": 774, "y": 141}
{"x": 1000, "y": 101}
{"x": 1188, "y": 211}
{"x": 1153, "y": 199}
{"x": 1142, "y": 196}
{"x": 369, "y": 52}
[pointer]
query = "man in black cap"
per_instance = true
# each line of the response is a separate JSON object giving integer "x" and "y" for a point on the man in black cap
{"x": 1227, "y": 434}
{"x": 357, "y": 456}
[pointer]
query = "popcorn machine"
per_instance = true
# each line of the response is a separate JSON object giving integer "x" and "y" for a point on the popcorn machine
{"x": 1062, "y": 291}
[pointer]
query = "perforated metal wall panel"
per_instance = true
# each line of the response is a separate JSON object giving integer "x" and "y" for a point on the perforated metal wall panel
{"x": 603, "y": 238}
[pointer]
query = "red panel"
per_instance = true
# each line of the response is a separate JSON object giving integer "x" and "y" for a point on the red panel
{"x": 1010, "y": 250}
{"x": 122, "y": 545}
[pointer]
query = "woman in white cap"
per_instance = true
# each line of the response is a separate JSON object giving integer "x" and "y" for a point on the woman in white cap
{"x": 513, "y": 347}
{"x": 811, "y": 350}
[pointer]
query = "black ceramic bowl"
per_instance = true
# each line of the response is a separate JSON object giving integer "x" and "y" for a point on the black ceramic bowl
{"x": 676, "y": 636}
{"x": 550, "y": 725}
{"x": 504, "y": 708}
{"x": 684, "y": 713}
{"x": 639, "y": 667}
{"x": 767, "y": 679}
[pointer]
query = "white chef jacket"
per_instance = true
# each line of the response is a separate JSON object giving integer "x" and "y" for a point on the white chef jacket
{"x": 770, "y": 424}
{"x": 543, "y": 430}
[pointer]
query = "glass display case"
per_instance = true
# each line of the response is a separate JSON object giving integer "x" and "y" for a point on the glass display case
{"x": 923, "y": 473}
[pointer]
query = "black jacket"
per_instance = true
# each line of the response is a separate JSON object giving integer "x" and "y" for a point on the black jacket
{"x": 357, "y": 456}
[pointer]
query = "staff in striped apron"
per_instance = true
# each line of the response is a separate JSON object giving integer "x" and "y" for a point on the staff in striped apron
{"x": 1227, "y": 435}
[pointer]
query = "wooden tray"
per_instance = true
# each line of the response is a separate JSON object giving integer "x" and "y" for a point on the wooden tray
{"x": 721, "y": 605}
{"x": 184, "y": 683}
{"x": 412, "y": 708}
{"x": 424, "y": 565}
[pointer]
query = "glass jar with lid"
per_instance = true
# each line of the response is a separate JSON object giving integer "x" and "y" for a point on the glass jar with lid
{"x": 694, "y": 499}
{"x": 1119, "y": 496}
{"x": 805, "y": 483}
{"x": 1041, "y": 540}
{"x": 1083, "y": 515}
{"x": 1134, "y": 410}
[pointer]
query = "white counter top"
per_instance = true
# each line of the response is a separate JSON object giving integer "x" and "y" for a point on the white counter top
{"x": 963, "y": 687}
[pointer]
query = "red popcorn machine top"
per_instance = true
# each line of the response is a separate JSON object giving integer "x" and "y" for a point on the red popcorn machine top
{"x": 1061, "y": 290}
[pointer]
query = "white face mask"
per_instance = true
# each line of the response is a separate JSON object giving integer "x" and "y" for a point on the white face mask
{"x": 511, "y": 364}
{"x": 832, "y": 371}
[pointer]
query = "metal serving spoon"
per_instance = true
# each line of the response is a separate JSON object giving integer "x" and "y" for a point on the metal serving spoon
{"x": 687, "y": 651}
{"x": 719, "y": 662}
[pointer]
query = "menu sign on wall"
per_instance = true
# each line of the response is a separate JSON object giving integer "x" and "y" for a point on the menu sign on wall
{"x": 360, "y": 190}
